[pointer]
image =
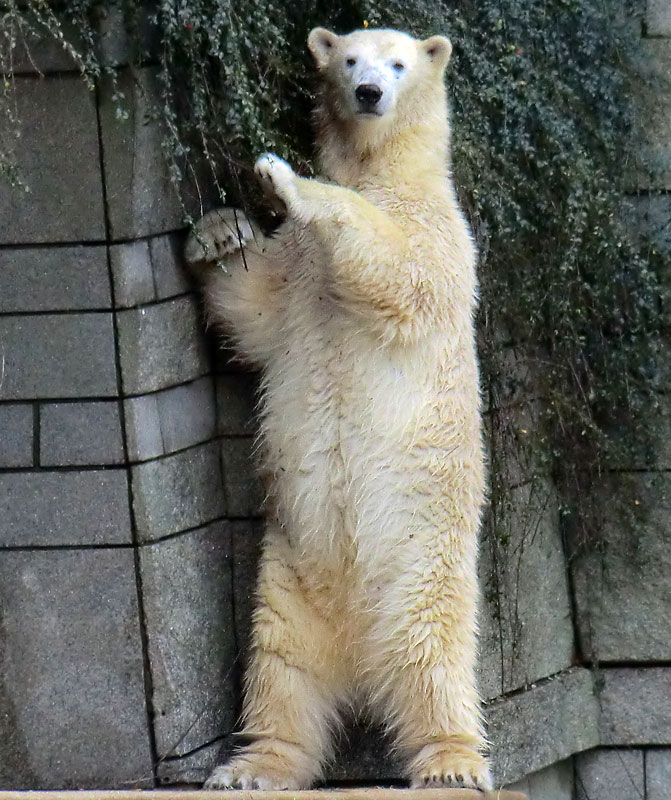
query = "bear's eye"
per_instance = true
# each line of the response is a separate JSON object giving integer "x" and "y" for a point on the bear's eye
{"x": 399, "y": 66}
{"x": 351, "y": 61}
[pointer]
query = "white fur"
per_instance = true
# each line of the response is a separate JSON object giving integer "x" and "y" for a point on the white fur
{"x": 360, "y": 313}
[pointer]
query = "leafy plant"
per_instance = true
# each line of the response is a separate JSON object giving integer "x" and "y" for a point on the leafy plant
{"x": 542, "y": 124}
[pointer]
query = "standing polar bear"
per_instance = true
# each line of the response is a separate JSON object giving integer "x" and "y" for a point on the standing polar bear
{"x": 359, "y": 310}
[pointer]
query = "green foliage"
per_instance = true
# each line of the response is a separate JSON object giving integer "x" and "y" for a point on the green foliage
{"x": 541, "y": 120}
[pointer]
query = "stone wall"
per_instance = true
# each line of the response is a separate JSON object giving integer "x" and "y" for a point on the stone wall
{"x": 122, "y": 482}
{"x": 623, "y": 595}
{"x": 129, "y": 512}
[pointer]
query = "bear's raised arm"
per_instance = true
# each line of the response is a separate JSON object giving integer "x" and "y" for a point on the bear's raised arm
{"x": 372, "y": 266}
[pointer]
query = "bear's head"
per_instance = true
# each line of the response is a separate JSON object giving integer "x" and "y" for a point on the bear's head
{"x": 379, "y": 78}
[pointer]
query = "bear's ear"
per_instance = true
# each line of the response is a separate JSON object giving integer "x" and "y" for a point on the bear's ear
{"x": 321, "y": 43}
{"x": 438, "y": 49}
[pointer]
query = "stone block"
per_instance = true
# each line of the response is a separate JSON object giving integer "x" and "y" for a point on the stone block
{"x": 658, "y": 773}
{"x": 621, "y": 583}
{"x": 121, "y": 28}
{"x": 491, "y": 641}
{"x": 658, "y": 369}
{"x": 247, "y": 537}
{"x": 64, "y": 508}
{"x": 116, "y": 26}
{"x": 648, "y": 216}
{"x": 59, "y": 161}
{"x": 187, "y": 590}
{"x": 518, "y": 444}
{"x": 187, "y": 414}
{"x": 80, "y": 433}
{"x": 642, "y": 447}
{"x": 236, "y": 399}
{"x": 636, "y": 706}
{"x": 16, "y": 435}
{"x": 161, "y": 345}
{"x": 552, "y": 783}
{"x": 545, "y": 724}
{"x": 651, "y": 142}
{"x": 73, "y": 712}
{"x": 42, "y": 52}
{"x": 132, "y": 274}
{"x": 170, "y": 420}
{"x": 57, "y": 356}
{"x": 665, "y": 275}
{"x": 54, "y": 279}
{"x": 658, "y": 18}
{"x": 244, "y": 492}
{"x": 516, "y": 370}
{"x": 609, "y": 775}
{"x": 170, "y": 276}
{"x": 191, "y": 768}
{"x": 178, "y": 492}
{"x": 526, "y": 625}
{"x": 143, "y": 427}
{"x": 148, "y": 270}
{"x": 141, "y": 199}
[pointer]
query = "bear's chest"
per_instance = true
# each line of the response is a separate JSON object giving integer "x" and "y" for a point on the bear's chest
{"x": 337, "y": 402}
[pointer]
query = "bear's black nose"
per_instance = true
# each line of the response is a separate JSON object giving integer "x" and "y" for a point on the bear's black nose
{"x": 368, "y": 94}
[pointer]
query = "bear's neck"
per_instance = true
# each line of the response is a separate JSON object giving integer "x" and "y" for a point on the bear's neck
{"x": 353, "y": 154}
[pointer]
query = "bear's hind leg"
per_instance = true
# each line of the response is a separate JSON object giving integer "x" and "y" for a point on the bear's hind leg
{"x": 420, "y": 668}
{"x": 294, "y": 684}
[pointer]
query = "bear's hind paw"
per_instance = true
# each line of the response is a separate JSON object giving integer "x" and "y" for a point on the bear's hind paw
{"x": 450, "y": 765}
{"x": 268, "y": 765}
{"x": 241, "y": 776}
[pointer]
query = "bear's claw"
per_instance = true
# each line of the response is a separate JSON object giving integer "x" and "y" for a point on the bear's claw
{"x": 451, "y": 781}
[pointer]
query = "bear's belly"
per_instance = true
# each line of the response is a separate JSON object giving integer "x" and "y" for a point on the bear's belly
{"x": 343, "y": 423}
{"x": 302, "y": 425}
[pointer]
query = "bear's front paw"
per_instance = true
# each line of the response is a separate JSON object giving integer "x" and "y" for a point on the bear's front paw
{"x": 450, "y": 764}
{"x": 219, "y": 233}
{"x": 276, "y": 177}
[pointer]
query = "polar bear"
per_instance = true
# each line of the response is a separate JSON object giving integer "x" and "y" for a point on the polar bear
{"x": 359, "y": 311}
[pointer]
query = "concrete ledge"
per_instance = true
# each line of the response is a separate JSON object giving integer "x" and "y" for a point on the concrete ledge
{"x": 311, "y": 794}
